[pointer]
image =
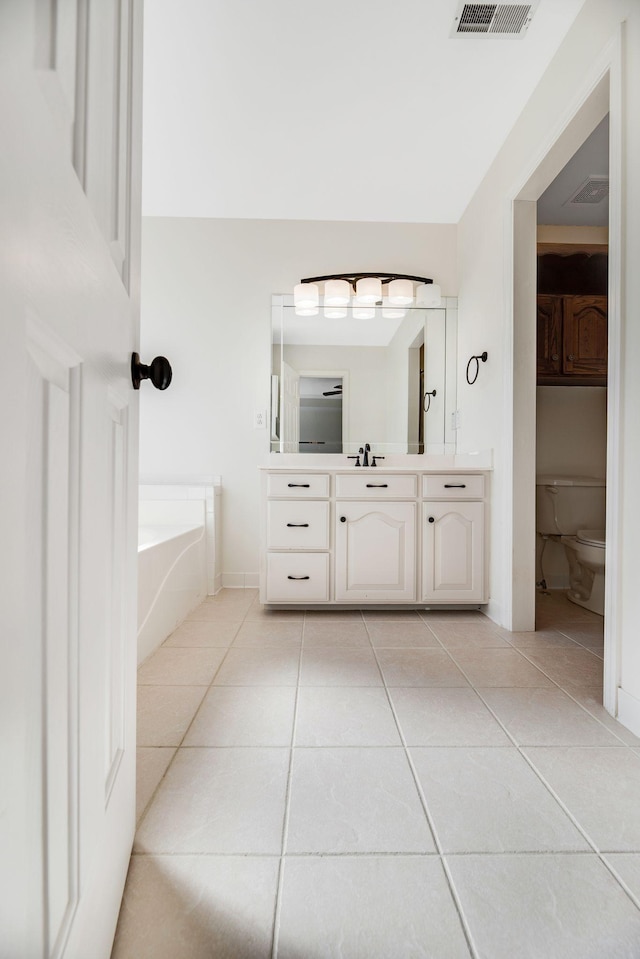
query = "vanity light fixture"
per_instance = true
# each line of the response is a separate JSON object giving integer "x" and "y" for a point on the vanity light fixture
{"x": 368, "y": 291}
{"x": 368, "y": 294}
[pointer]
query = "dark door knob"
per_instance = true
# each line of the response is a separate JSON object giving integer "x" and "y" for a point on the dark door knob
{"x": 432, "y": 519}
{"x": 159, "y": 372}
{"x": 343, "y": 519}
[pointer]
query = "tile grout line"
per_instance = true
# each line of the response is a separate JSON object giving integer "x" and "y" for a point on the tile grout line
{"x": 430, "y": 823}
{"x": 548, "y": 787}
{"x": 567, "y": 693}
{"x": 149, "y": 804}
{"x": 277, "y": 912}
{"x": 511, "y": 737}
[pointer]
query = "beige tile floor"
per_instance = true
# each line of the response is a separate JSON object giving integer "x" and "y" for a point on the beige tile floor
{"x": 365, "y": 785}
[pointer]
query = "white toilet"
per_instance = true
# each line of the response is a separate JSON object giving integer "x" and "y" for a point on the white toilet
{"x": 572, "y": 510}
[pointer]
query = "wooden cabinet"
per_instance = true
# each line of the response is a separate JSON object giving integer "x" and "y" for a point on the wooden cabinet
{"x": 452, "y": 552}
{"x": 572, "y": 316}
{"x": 375, "y": 552}
{"x": 572, "y": 339}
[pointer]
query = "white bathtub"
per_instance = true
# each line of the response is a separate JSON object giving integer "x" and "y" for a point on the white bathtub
{"x": 172, "y": 579}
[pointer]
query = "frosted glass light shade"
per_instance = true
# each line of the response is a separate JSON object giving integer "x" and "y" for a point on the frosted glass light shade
{"x": 337, "y": 293}
{"x": 428, "y": 294}
{"x": 335, "y": 312}
{"x": 368, "y": 290}
{"x": 400, "y": 292}
{"x": 364, "y": 312}
{"x": 393, "y": 313}
{"x": 307, "y": 311}
{"x": 306, "y": 295}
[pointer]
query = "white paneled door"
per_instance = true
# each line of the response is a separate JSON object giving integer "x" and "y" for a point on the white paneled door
{"x": 69, "y": 238}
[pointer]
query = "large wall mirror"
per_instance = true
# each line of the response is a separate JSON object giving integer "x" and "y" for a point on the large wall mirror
{"x": 337, "y": 384}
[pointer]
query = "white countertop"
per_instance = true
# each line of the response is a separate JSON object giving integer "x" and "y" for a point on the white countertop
{"x": 481, "y": 461}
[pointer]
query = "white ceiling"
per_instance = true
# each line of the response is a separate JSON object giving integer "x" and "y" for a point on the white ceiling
{"x": 332, "y": 110}
{"x": 592, "y": 159}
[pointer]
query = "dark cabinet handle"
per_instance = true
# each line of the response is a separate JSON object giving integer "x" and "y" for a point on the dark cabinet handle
{"x": 555, "y": 357}
{"x": 455, "y": 485}
{"x": 297, "y": 524}
{"x": 432, "y": 519}
{"x": 301, "y": 485}
{"x": 298, "y": 577}
{"x": 571, "y": 357}
{"x": 376, "y": 485}
{"x": 343, "y": 519}
{"x": 159, "y": 372}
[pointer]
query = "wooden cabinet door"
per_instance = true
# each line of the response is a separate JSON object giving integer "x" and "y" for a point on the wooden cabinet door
{"x": 453, "y": 553}
{"x": 375, "y": 552}
{"x": 585, "y": 335}
{"x": 549, "y": 334}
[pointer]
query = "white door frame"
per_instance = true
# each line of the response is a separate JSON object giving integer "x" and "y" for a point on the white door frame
{"x": 600, "y": 93}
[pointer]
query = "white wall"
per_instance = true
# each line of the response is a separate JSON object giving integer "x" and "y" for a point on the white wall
{"x": 206, "y": 305}
{"x": 486, "y": 299}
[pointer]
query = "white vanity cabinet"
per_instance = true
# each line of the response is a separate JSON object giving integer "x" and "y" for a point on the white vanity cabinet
{"x": 368, "y": 537}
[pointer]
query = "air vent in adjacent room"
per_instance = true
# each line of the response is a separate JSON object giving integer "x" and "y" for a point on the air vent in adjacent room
{"x": 493, "y": 19}
{"x": 593, "y": 190}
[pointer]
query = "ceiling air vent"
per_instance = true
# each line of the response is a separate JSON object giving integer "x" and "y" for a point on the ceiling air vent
{"x": 493, "y": 19}
{"x": 593, "y": 190}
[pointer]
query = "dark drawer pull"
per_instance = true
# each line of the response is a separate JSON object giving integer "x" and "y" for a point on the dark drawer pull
{"x": 298, "y": 577}
{"x": 297, "y": 524}
{"x": 455, "y": 485}
{"x": 376, "y": 485}
{"x": 301, "y": 485}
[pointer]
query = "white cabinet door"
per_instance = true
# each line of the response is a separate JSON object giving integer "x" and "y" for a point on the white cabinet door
{"x": 453, "y": 552}
{"x": 375, "y": 552}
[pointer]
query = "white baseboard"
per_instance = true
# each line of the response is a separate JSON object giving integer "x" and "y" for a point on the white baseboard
{"x": 629, "y": 711}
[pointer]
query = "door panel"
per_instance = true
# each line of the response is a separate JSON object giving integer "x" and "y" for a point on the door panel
{"x": 585, "y": 334}
{"x": 375, "y": 552}
{"x": 549, "y": 334}
{"x": 453, "y": 552}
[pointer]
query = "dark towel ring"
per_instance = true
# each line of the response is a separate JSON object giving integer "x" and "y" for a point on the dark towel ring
{"x": 428, "y": 406}
{"x": 481, "y": 356}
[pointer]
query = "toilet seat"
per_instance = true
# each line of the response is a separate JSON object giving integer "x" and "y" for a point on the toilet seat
{"x": 592, "y": 537}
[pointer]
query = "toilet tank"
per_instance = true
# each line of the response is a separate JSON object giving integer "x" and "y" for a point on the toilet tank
{"x": 565, "y": 504}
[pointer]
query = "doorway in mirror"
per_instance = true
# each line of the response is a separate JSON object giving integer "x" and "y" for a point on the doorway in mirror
{"x": 320, "y": 413}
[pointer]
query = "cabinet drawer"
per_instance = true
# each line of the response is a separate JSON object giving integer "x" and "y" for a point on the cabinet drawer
{"x": 293, "y": 524}
{"x": 453, "y": 486}
{"x": 313, "y": 485}
{"x": 297, "y": 577}
{"x": 376, "y": 485}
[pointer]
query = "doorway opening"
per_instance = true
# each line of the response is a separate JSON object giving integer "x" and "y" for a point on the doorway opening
{"x": 321, "y": 413}
{"x": 571, "y": 388}
{"x": 597, "y": 102}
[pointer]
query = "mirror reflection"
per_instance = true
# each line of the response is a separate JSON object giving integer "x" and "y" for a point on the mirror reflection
{"x": 337, "y": 384}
